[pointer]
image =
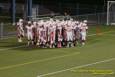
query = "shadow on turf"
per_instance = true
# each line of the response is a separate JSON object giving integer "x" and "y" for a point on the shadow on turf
{"x": 24, "y": 47}
{"x": 31, "y": 48}
{"x": 21, "y": 46}
{"x": 13, "y": 45}
{"x": 3, "y": 45}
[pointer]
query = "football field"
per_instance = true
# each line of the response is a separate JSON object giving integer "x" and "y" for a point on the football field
{"x": 95, "y": 59}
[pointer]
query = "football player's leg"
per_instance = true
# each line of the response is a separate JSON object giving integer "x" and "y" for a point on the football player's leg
{"x": 31, "y": 38}
{"x": 83, "y": 38}
{"x": 28, "y": 37}
{"x": 19, "y": 37}
{"x": 68, "y": 39}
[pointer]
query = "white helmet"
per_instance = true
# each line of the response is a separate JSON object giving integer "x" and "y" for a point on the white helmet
{"x": 34, "y": 23}
{"x": 29, "y": 22}
{"x": 71, "y": 19}
{"x": 20, "y": 20}
{"x": 77, "y": 22}
{"x": 51, "y": 19}
{"x": 85, "y": 21}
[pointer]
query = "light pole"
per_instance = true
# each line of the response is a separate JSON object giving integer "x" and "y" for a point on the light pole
{"x": 13, "y": 11}
{"x": 29, "y": 9}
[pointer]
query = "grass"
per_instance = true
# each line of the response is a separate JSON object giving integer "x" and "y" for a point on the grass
{"x": 34, "y": 62}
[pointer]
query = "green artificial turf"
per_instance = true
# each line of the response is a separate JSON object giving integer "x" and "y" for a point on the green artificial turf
{"x": 18, "y": 60}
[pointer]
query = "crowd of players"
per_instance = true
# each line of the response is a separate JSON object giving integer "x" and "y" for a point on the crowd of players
{"x": 52, "y": 33}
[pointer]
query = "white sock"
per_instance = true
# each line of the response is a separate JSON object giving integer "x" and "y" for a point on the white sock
{"x": 83, "y": 43}
{"x": 19, "y": 40}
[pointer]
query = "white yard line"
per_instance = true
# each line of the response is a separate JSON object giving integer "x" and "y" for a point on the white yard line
{"x": 37, "y": 61}
{"x": 7, "y": 37}
{"x": 3, "y": 49}
{"x": 76, "y": 67}
{"x": 52, "y": 58}
{"x": 102, "y": 33}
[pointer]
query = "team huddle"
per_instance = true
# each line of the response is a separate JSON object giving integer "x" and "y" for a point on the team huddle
{"x": 53, "y": 33}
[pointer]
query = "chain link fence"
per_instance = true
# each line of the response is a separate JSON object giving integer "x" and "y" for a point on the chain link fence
{"x": 7, "y": 30}
{"x": 93, "y": 19}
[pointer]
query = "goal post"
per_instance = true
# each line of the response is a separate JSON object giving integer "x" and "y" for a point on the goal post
{"x": 111, "y": 13}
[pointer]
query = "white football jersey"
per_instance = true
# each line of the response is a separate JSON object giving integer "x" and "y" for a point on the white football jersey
{"x": 84, "y": 27}
{"x": 29, "y": 29}
{"x": 20, "y": 25}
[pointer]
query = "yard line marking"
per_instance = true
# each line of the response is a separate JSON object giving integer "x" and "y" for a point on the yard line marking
{"x": 101, "y": 32}
{"x": 76, "y": 67}
{"x": 24, "y": 45}
{"x": 6, "y": 37}
{"x": 12, "y": 48}
{"x": 7, "y": 67}
{"x": 36, "y": 61}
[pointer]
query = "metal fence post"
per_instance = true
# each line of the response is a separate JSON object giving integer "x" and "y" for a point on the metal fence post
{"x": 1, "y": 30}
{"x": 98, "y": 20}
